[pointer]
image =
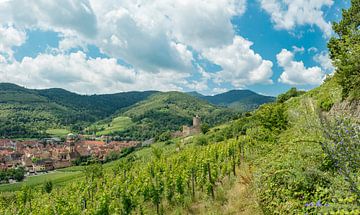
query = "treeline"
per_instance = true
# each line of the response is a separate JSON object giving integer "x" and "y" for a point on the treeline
{"x": 17, "y": 174}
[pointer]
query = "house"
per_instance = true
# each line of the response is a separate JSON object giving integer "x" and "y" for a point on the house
{"x": 43, "y": 165}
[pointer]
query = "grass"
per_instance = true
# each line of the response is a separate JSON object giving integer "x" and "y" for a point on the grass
{"x": 58, "y": 178}
{"x": 58, "y": 132}
{"x": 117, "y": 124}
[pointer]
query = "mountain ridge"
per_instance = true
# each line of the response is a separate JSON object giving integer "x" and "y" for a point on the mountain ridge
{"x": 29, "y": 112}
{"x": 243, "y": 100}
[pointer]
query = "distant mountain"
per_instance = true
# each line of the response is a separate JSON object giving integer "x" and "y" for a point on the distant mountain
{"x": 242, "y": 100}
{"x": 30, "y": 113}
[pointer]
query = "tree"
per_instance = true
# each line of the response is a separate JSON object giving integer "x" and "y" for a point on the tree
{"x": 345, "y": 51}
{"x": 205, "y": 128}
{"x": 48, "y": 186}
{"x": 19, "y": 174}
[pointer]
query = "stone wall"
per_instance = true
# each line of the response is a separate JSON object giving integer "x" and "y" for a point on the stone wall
{"x": 347, "y": 108}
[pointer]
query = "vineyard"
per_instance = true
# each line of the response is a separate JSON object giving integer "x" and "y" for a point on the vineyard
{"x": 138, "y": 186}
{"x": 298, "y": 160}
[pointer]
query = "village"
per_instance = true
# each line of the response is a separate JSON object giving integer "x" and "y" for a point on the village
{"x": 52, "y": 153}
{"x": 48, "y": 154}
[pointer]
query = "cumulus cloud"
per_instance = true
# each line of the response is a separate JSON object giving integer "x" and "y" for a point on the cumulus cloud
{"x": 324, "y": 60}
{"x": 241, "y": 65}
{"x": 287, "y": 14}
{"x": 144, "y": 33}
{"x": 78, "y": 73}
{"x": 63, "y": 16}
{"x": 10, "y": 37}
{"x": 157, "y": 38}
{"x": 295, "y": 72}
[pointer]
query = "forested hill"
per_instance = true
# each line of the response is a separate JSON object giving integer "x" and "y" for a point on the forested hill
{"x": 164, "y": 112}
{"x": 244, "y": 100}
{"x": 29, "y": 113}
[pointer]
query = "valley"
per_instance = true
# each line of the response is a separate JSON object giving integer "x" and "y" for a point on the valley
{"x": 179, "y": 107}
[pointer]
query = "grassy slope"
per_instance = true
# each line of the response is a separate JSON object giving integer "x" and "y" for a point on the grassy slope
{"x": 58, "y": 132}
{"x": 286, "y": 170}
{"x": 58, "y": 178}
{"x": 117, "y": 124}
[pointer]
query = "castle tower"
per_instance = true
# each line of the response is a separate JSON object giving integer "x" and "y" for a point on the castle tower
{"x": 196, "y": 122}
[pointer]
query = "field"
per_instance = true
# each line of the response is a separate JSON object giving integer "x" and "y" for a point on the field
{"x": 117, "y": 124}
{"x": 58, "y": 178}
{"x": 58, "y": 132}
{"x": 61, "y": 176}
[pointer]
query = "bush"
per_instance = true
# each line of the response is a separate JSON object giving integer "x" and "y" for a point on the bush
{"x": 326, "y": 105}
{"x": 293, "y": 92}
{"x": 164, "y": 136}
{"x": 205, "y": 128}
{"x": 48, "y": 186}
{"x": 201, "y": 140}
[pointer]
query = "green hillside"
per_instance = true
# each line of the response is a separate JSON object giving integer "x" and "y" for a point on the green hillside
{"x": 37, "y": 113}
{"x": 272, "y": 161}
{"x": 30, "y": 113}
{"x": 240, "y": 100}
{"x": 162, "y": 112}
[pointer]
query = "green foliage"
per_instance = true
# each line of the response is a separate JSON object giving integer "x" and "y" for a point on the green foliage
{"x": 345, "y": 51}
{"x": 165, "y": 181}
{"x": 17, "y": 174}
{"x": 48, "y": 186}
{"x": 164, "y": 136}
{"x": 58, "y": 178}
{"x": 205, "y": 128}
{"x": 326, "y": 105}
{"x": 293, "y": 92}
{"x": 201, "y": 140}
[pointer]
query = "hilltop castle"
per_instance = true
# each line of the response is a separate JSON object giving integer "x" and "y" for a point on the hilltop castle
{"x": 195, "y": 129}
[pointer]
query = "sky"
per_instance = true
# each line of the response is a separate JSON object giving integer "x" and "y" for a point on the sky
{"x": 208, "y": 46}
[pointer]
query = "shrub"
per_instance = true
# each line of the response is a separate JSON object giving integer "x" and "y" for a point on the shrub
{"x": 201, "y": 140}
{"x": 326, "y": 105}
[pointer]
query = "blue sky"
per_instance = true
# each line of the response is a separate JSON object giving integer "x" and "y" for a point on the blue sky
{"x": 207, "y": 46}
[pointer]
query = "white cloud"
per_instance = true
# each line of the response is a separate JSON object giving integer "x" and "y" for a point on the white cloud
{"x": 324, "y": 60}
{"x": 298, "y": 49}
{"x": 219, "y": 90}
{"x": 143, "y": 33}
{"x": 10, "y": 37}
{"x": 77, "y": 73}
{"x": 287, "y": 14}
{"x": 241, "y": 65}
{"x": 155, "y": 37}
{"x": 62, "y": 16}
{"x": 295, "y": 73}
{"x": 312, "y": 49}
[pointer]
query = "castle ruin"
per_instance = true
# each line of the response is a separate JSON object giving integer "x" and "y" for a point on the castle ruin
{"x": 194, "y": 129}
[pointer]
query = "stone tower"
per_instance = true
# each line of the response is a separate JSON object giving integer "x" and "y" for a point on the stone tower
{"x": 196, "y": 122}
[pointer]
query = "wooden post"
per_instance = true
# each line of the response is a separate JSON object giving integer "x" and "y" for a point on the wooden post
{"x": 211, "y": 182}
{"x": 193, "y": 183}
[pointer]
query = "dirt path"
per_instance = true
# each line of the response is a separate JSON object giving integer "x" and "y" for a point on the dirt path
{"x": 236, "y": 199}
